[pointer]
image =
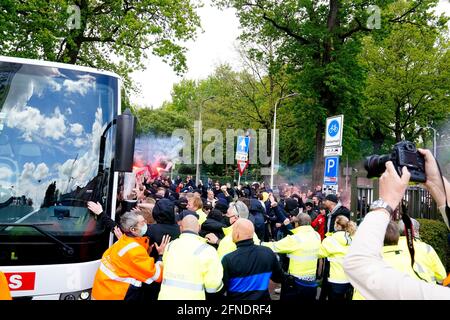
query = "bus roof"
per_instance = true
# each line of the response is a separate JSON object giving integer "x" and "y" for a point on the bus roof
{"x": 57, "y": 65}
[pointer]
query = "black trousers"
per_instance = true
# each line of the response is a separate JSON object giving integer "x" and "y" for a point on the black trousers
{"x": 295, "y": 290}
{"x": 340, "y": 292}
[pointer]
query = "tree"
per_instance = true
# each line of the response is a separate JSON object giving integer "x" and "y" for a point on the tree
{"x": 319, "y": 41}
{"x": 408, "y": 84}
{"x": 160, "y": 122}
{"x": 112, "y": 35}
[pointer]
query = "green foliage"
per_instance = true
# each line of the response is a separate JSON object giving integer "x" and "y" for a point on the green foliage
{"x": 408, "y": 84}
{"x": 159, "y": 122}
{"x": 318, "y": 42}
{"x": 112, "y": 35}
{"x": 435, "y": 234}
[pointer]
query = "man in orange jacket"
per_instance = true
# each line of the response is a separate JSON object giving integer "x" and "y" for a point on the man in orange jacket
{"x": 126, "y": 264}
{"x": 4, "y": 289}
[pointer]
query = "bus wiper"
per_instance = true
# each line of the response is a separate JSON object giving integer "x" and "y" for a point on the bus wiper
{"x": 67, "y": 249}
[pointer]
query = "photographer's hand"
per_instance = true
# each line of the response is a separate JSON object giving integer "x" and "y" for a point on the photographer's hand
{"x": 392, "y": 187}
{"x": 434, "y": 180}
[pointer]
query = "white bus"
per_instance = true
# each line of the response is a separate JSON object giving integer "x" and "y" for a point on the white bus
{"x": 53, "y": 160}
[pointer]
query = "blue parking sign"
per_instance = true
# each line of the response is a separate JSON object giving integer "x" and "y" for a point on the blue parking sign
{"x": 331, "y": 172}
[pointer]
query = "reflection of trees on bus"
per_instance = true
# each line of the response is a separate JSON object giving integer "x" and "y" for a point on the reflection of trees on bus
{"x": 50, "y": 196}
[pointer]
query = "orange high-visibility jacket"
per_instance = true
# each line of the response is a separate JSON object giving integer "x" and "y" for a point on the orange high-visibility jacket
{"x": 446, "y": 282}
{"x": 4, "y": 289}
{"x": 123, "y": 268}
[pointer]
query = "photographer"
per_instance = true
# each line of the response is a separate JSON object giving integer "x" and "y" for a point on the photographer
{"x": 364, "y": 266}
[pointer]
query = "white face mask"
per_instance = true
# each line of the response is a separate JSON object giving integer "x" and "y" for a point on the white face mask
{"x": 143, "y": 230}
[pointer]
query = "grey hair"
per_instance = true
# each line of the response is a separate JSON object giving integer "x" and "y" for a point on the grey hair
{"x": 416, "y": 227}
{"x": 240, "y": 209}
{"x": 304, "y": 219}
{"x": 128, "y": 220}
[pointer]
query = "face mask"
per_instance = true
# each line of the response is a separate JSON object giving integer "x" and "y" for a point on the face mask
{"x": 143, "y": 230}
{"x": 226, "y": 220}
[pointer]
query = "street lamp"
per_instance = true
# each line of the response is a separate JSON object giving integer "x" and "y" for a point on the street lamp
{"x": 197, "y": 174}
{"x": 273, "y": 135}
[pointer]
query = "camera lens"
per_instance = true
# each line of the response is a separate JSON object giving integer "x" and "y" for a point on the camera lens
{"x": 376, "y": 165}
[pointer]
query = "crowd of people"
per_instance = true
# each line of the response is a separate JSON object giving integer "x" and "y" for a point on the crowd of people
{"x": 213, "y": 241}
{"x": 180, "y": 241}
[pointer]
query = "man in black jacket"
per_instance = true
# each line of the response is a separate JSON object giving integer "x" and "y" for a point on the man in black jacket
{"x": 335, "y": 208}
{"x": 248, "y": 269}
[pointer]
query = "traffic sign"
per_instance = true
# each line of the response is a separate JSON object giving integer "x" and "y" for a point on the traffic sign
{"x": 242, "y": 165}
{"x": 333, "y": 131}
{"x": 330, "y": 176}
{"x": 242, "y": 147}
{"x": 332, "y": 151}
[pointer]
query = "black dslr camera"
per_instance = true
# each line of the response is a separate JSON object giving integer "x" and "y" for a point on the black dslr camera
{"x": 404, "y": 154}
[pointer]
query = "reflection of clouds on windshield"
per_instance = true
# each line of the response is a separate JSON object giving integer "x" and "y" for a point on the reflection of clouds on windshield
{"x": 31, "y": 122}
{"x": 83, "y": 169}
{"x": 70, "y": 174}
{"x": 30, "y": 181}
{"x": 76, "y": 129}
{"x": 79, "y": 142}
{"x": 5, "y": 173}
{"x": 36, "y": 79}
{"x": 80, "y": 86}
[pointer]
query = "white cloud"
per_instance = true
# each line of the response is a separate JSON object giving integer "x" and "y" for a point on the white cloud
{"x": 80, "y": 86}
{"x": 69, "y": 110}
{"x": 55, "y": 126}
{"x": 31, "y": 80}
{"x": 41, "y": 171}
{"x": 79, "y": 142}
{"x": 31, "y": 122}
{"x": 76, "y": 129}
{"x": 5, "y": 173}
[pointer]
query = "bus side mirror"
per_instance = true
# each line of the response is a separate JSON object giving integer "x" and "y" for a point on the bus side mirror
{"x": 125, "y": 136}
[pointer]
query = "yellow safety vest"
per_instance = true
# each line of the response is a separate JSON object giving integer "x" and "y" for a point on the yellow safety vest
{"x": 191, "y": 267}
{"x": 425, "y": 256}
{"x": 226, "y": 245}
{"x": 334, "y": 248}
{"x": 201, "y": 216}
{"x": 400, "y": 260}
{"x": 302, "y": 248}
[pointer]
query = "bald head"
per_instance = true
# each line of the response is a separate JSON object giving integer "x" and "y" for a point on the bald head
{"x": 243, "y": 229}
{"x": 190, "y": 223}
{"x": 304, "y": 219}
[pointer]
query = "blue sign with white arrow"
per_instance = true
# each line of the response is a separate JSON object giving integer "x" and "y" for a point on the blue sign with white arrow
{"x": 242, "y": 144}
{"x": 242, "y": 147}
{"x": 330, "y": 176}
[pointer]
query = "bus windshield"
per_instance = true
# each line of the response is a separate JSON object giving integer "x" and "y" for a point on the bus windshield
{"x": 51, "y": 120}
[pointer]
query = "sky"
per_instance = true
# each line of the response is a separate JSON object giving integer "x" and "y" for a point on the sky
{"x": 213, "y": 46}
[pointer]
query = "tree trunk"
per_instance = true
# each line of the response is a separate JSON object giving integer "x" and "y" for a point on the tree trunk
{"x": 74, "y": 39}
{"x": 378, "y": 140}
{"x": 398, "y": 130}
{"x": 318, "y": 167}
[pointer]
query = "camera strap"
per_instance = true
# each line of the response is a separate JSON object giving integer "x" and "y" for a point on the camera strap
{"x": 409, "y": 230}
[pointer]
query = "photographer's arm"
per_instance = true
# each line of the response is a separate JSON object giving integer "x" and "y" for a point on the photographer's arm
{"x": 434, "y": 182}
{"x": 364, "y": 265}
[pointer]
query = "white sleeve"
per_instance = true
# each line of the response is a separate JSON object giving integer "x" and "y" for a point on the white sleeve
{"x": 374, "y": 278}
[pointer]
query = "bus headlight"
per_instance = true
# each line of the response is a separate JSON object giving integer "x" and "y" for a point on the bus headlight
{"x": 77, "y": 295}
